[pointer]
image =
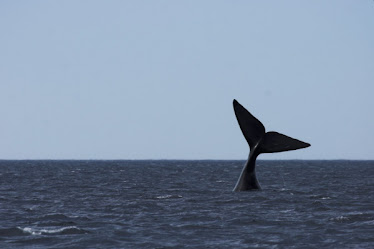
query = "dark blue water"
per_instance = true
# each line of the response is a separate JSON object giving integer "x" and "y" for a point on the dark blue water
{"x": 185, "y": 204}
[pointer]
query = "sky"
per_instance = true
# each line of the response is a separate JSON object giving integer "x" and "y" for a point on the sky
{"x": 156, "y": 79}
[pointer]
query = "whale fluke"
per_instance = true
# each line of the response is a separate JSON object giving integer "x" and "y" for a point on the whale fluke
{"x": 275, "y": 142}
{"x": 259, "y": 142}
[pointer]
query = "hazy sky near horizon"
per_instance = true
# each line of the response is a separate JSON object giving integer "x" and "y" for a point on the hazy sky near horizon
{"x": 156, "y": 79}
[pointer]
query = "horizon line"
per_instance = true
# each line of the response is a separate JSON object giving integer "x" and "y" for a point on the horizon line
{"x": 293, "y": 159}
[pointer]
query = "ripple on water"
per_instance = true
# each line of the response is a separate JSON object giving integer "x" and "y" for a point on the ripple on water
{"x": 138, "y": 204}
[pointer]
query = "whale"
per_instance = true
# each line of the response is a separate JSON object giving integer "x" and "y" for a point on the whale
{"x": 259, "y": 142}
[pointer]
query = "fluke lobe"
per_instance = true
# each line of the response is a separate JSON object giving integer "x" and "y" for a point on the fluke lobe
{"x": 259, "y": 142}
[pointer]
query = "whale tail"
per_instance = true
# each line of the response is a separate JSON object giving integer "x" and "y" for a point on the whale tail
{"x": 264, "y": 142}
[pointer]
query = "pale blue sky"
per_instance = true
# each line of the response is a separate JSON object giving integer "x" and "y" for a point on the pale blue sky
{"x": 156, "y": 79}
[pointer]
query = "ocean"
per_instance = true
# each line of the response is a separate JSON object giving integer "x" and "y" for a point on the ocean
{"x": 185, "y": 204}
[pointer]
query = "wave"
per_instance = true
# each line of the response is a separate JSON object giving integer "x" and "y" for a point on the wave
{"x": 169, "y": 197}
{"x": 43, "y": 231}
{"x": 320, "y": 197}
{"x": 351, "y": 216}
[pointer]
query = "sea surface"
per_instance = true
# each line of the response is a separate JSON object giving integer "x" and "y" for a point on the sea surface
{"x": 185, "y": 204}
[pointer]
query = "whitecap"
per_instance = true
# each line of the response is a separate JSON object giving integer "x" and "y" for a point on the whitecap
{"x": 34, "y": 231}
{"x": 168, "y": 196}
{"x": 355, "y": 213}
{"x": 340, "y": 218}
{"x": 287, "y": 210}
{"x": 370, "y": 222}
